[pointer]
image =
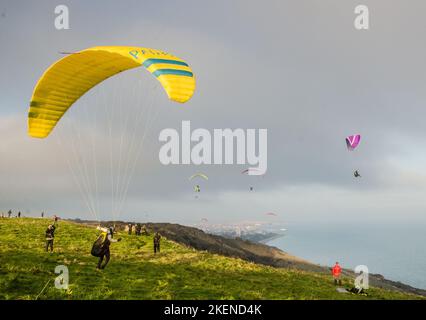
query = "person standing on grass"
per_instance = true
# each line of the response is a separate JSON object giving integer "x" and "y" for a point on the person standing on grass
{"x": 19, "y": 214}
{"x": 9, "y": 213}
{"x": 138, "y": 229}
{"x": 336, "y": 271}
{"x": 157, "y": 239}
{"x": 50, "y": 236}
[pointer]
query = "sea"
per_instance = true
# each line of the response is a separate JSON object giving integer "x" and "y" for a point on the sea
{"x": 396, "y": 251}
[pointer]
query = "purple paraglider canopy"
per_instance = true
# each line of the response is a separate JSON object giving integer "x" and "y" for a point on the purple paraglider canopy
{"x": 353, "y": 141}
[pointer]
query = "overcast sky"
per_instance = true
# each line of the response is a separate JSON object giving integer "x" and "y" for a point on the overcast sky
{"x": 297, "y": 68}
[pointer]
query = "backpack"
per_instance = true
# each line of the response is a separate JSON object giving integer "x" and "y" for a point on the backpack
{"x": 98, "y": 245}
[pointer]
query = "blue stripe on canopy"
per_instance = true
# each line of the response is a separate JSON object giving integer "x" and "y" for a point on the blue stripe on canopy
{"x": 148, "y": 62}
{"x": 172, "y": 71}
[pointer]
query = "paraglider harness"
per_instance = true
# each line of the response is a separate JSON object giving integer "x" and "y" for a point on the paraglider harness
{"x": 99, "y": 245}
{"x": 50, "y": 232}
{"x": 359, "y": 291}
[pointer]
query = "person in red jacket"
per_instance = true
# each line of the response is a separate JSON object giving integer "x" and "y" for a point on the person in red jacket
{"x": 336, "y": 271}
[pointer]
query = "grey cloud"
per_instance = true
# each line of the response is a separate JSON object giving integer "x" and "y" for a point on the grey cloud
{"x": 297, "y": 68}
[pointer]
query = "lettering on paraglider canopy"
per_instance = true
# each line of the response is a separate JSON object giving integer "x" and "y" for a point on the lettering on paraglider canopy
{"x": 236, "y": 146}
{"x": 135, "y": 53}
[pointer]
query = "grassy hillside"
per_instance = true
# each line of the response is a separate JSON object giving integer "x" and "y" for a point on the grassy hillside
{"x": 134, "y": 272}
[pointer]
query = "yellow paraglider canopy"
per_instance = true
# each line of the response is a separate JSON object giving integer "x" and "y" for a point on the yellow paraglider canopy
{"x": 199, "y": 174}
{"x": 68, "y": 79}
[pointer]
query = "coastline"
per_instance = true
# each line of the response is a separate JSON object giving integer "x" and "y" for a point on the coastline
{"x": 376, "y": 279}
{"x": 272, "y": 238}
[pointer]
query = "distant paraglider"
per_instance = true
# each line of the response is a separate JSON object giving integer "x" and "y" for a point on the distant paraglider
{"x": 270, "y": 214}
{"x": 197, "y": 188}
{"x": 351, "y": 143}
{"x": 252, "y": 172}
{"x": 201, "y": 175}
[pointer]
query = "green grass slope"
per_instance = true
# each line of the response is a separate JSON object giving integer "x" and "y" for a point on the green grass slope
{"x": 134, "y": 272}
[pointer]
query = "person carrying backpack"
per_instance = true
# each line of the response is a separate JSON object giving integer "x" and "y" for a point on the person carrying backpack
{"x": 101, "y": 246}
{"x": 50, "y": 236}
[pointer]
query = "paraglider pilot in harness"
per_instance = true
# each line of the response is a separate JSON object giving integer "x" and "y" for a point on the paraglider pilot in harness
{"x": 101, "y": 246}
{"x": 356, "y": 174}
